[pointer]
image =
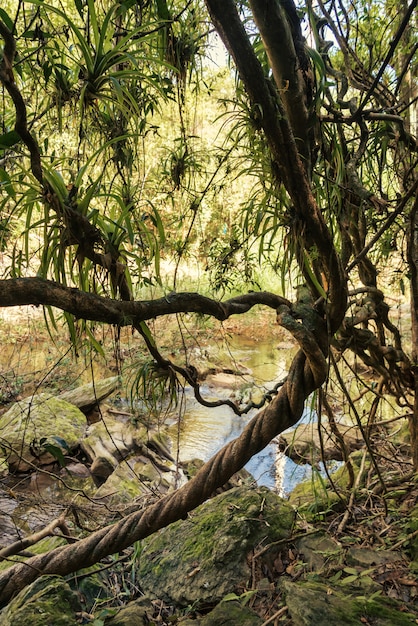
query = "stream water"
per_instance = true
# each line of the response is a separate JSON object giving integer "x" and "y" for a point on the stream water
{"x": 200, "y": 432}
{"x": 197, "y": 431}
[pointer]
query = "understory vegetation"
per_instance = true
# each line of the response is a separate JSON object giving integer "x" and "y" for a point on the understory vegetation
{"x": 174, "y": 175}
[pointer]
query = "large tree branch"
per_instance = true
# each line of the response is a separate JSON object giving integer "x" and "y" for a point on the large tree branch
{"x": 281, "y": 33}
{"x": 7, "y": 79}
{"x": 39, "y": 291}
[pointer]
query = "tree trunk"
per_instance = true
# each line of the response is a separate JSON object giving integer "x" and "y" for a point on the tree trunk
{"x": 413, "y": 272}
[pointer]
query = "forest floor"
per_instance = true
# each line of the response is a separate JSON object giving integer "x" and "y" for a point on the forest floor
{"x": 376, "y": 518}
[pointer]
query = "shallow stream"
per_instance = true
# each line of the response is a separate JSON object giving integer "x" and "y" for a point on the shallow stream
{"x": 196, "y": 431}
{"x": 200, "y": 432}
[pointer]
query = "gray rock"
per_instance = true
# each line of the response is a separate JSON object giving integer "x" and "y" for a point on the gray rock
{"x": 319, "y": 604}
{"x": 320, "y": 553}
{"x": 367, "y": 557}
{"x": 115, "y": 440}
{"x": 141, "y": 475}
{"x": 228, "y": 613}
{"x": 88, "y": 396}
{"x": 206, "y": 556}
{"x": 112, "y": 440}
{"x": 136, "y": 613}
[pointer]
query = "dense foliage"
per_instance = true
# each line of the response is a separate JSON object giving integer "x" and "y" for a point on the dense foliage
{"x": 124, "y": 147}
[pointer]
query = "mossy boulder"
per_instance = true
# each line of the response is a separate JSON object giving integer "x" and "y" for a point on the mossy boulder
{"x": 49, "y": 600}
{"x": 109, "y": 442}
{"x": 317, "y": 604}
{"x": 34, "y": 426}
{"x": 316, "y": 496}
{"x": 113, "y": 441}
{"x": 320, "y": 553}
{"x": 206, "y": 556}
{"x": 136, "y": 613}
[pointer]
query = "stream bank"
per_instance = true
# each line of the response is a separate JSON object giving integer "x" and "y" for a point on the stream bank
{"x": 337, "y": 557}
{"x": 247, "y": 555}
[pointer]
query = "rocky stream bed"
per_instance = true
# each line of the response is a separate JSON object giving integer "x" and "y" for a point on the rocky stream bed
{"x": 72, "y": 463}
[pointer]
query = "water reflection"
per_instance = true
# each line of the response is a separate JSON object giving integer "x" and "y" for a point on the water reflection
{"x": 200, "y": 432}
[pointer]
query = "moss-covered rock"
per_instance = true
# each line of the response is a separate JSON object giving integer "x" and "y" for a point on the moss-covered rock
{"x": 141, "y": 475}
{"x": 47, "y": 601}
{"x": 32, "y": 425}
{"x": 205, "y": 557}
{"x": 316, "y": 496}
{"x": 128, "y": 460}
{"x": 242, "y": 477}
{"x": 112, "y": 440}
{"x": 320, "y": 553}
{"x": 318, "y": 604}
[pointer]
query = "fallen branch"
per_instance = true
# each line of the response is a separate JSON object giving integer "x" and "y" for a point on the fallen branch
{"x": 22, "y": 544}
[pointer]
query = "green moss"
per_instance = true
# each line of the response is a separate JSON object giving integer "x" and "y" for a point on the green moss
{"x": 231, "y": 613}
{"x": 219, "y": 523}
{"x": 49, "y": 600}
{"x": 136, "y": 476}
{"x": 205, "y": 555}
{"x": 317, "y": 604}
{"x": 49, "y": 543}
{"x": 41, "y": 417}
{"x": 316, "y": 497}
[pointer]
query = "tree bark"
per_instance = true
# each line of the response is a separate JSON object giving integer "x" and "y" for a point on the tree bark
{"x": 413, "y": 281}
{"x": 89, "y": 306}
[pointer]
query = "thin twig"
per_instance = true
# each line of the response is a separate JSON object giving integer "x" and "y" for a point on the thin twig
{"x": 22, "y": 544}
{"x": 404, "y": 540}
{"x": 278, "y": 613}
{"x": 349, "y": 508}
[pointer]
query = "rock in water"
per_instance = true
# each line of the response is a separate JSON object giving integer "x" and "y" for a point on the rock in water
{"x": 88, "y": 396}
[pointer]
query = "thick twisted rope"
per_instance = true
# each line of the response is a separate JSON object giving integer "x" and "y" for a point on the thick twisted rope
{"x": 284, "y": 411}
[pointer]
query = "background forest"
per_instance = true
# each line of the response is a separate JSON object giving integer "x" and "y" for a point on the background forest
{"x": 178, "y": 165}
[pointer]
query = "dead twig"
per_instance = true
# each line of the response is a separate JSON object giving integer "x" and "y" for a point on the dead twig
{"x": 22, "y": 544}
{"x": 278, "y": 613}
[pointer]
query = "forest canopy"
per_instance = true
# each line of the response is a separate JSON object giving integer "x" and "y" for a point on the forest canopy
{"x": 265, "y": 142}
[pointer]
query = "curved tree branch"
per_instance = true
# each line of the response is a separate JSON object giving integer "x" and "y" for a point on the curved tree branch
{"x": 89, "y": 306}
{"x": 21, "y": 126}
{"x": 282, "y": 144}
{"x": 280, "y": 30}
